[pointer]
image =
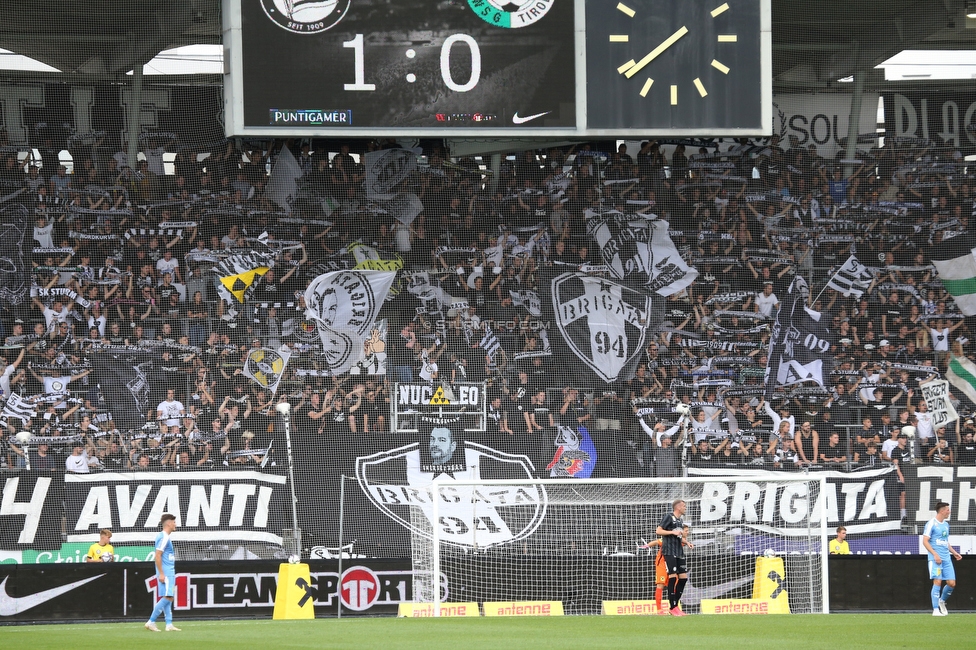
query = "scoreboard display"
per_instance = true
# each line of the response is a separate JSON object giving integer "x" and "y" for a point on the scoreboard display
{"x": 561, "y": 68}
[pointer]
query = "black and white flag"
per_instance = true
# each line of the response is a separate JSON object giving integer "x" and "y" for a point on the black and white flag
{"x": 432, "y": 296}
{"x": 490, "y": 343}
{"x": 236, "y": 276}
{"x": 14, "y": 272}
{"x": 638, "y": 251}
{"x": 124, "y": 377}
{"x": 799, "y": 348}
{"x": 283, "y": 183}
{"x": 851, "y": 279}
{"x": 344, "y": 305}
{"x": 603, "y": 323}
{"x": 19, "y": 408}
{"x": 387, "y": 168}
{"x": 528, "y": 299}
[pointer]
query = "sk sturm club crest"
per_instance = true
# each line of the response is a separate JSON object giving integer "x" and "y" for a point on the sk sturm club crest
{"x": 398, "y": 483}
{"x": 509, "y": 13}
{"x": 306, "y": 16}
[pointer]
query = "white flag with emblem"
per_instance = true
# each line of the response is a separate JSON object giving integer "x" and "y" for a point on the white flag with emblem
{"x": 344, "y": 305}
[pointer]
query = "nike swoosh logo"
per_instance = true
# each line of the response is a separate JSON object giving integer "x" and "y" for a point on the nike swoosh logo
{"x": 10, "y": 606}
{"x": 522, "y": 120}
{"x": 693, "y": 595}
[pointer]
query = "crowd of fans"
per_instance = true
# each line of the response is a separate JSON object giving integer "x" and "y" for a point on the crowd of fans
{"x": 122, "y": 257}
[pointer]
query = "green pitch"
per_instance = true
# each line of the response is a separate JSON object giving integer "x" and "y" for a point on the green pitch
{"x": 793, "y": 632}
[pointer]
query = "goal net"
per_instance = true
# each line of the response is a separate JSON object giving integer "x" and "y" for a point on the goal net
{"x": 587, "y": 543}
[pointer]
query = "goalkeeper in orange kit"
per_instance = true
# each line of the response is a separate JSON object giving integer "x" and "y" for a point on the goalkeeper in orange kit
{"x": 660, "y": 574}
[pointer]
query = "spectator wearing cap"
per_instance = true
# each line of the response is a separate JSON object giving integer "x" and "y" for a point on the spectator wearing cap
{"x": 872, "y": 373}
{"x": 901, "y": 455}
{"x": 80, "y": 461}
{"x": 884, "y": 352}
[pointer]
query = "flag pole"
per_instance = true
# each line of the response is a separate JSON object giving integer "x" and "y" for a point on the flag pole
{"x": 284, "y": 408}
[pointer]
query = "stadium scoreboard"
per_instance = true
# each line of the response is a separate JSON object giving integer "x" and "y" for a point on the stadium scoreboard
{"x": 563, "y": 68}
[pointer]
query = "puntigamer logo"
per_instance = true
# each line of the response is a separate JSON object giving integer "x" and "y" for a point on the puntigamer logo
{"x": 306, "y": 16}
{"x": 309, "y": 116}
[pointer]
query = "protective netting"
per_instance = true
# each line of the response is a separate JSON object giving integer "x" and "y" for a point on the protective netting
{"x": 452, "y": 308}
{"x": 591, "y": 545}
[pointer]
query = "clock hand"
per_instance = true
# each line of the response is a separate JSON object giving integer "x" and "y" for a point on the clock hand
{"x": 653, "y": 54}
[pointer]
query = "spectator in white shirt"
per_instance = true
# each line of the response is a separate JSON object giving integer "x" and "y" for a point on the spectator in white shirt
{"x": 78, "y": 461}
{"x": 167, "y": 264}
{"x": 169, "y": 413}
{"x": 766, "y": 301}
{"x": 783, "y": 415}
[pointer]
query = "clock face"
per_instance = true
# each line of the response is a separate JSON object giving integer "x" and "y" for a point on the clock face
{"x": 688, "y": 65}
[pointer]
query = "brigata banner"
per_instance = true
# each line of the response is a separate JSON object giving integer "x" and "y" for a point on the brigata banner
{"x": 209, "y": 506}
{"x": 864, "y": 501}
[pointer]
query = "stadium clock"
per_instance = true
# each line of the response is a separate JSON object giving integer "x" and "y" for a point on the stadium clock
{"x": 692, "y": 65}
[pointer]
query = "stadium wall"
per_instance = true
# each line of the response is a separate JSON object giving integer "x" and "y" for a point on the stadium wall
{"x": 239, "y": 589}
{"x": 866, "y": 583}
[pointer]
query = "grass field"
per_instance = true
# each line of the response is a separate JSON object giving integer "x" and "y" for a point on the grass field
{"x": 790, "y": 632}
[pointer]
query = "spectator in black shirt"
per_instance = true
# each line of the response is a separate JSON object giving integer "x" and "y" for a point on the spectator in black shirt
{"x": 966, "y": 451}
{"x": 42, "y": 460}
{"x": 834, "y": 452}
{"x": 900, "y": 455}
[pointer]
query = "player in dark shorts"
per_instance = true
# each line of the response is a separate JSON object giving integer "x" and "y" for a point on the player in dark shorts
{"x": 674, "y": 538}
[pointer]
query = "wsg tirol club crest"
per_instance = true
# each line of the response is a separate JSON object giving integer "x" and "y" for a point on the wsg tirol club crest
{"x": 306, "y": 16}
{"x": 511, "y": 13}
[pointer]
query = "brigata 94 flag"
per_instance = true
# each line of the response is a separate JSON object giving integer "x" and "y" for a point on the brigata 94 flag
{"x": 603, "y": 323}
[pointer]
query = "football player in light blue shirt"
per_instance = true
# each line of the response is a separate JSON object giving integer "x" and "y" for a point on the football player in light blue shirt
{"x": 935, "y": 539}
{"x": 165, "y": 575}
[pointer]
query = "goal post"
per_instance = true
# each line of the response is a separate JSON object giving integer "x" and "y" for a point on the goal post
{"x": 757, "y": 542}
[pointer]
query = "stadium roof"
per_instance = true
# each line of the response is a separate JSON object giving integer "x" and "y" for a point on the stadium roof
{"x": 815, "y": 43}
